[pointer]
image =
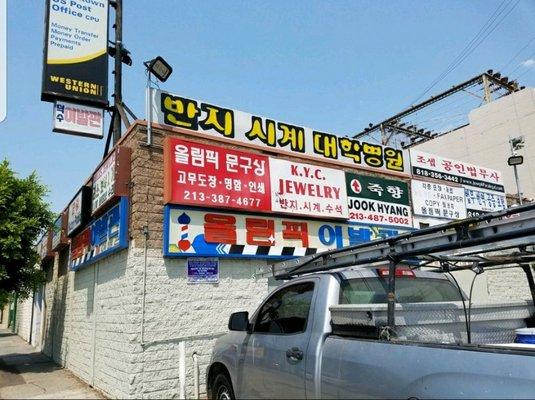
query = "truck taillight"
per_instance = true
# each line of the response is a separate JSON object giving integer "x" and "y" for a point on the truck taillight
{"x": 400, "y": 272}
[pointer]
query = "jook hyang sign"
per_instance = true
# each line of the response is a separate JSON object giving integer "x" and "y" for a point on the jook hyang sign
{"x": 437, "y": 200}
{"x": 111, "y": 179}
{"x": 201, "y": 174}
{"x": 202, "y": 270}
{"x": 104, "y": 236}
{"x": 77, "y": 119}
{"x": 378, "y": 201}
{"x": 220, "y": 122}
{"x": 189, "y": 232}
{"x": 445, "y": 169}
{"x": 307, "y": 189}
{"x": 75, "y": 65}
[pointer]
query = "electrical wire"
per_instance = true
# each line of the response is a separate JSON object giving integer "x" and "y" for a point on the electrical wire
{"x": 470, "y": 301}
{"x": 467, "y": 323}
{"x": 518, "y": 53}
{"x": 488, "y": 28}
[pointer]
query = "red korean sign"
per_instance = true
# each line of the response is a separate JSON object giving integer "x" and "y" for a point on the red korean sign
{"x": 213, "y": 176}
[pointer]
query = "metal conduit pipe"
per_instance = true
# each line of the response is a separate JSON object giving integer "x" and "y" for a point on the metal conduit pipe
{"x": 182, "y": 370}
{"x": 146, "y": 235}
{"x": 195, "y": 357}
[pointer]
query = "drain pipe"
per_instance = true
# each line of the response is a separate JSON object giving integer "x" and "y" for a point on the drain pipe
{"x": 195, "y": 357}
{"x": 146, "y": 235}
{"x": 182, "y": 370}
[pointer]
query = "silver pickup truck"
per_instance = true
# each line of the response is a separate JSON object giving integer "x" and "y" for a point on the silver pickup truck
{"x": 298, "y": 345}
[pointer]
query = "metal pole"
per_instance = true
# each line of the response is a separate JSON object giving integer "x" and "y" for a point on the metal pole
{"x": 513, "y": 153}
{"x": 149, "y": 110}
{"x": 391, "y": 296}
{"x": 118, "y": 97}
{"x": 517, "y": 186}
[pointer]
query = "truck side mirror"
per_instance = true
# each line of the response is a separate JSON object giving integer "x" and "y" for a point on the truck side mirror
{"x": 238, "y": 321}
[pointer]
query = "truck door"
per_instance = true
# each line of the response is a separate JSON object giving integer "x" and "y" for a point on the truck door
{"x": 276, "y": 352}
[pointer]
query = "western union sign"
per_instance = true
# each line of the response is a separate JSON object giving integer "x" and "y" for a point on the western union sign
{"x": 75, "y": 66}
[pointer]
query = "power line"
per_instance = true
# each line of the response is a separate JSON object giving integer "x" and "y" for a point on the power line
{"x": 487, "y": 29}
{"x": 517, "y": 54}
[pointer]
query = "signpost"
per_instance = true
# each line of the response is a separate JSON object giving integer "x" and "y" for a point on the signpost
{"x": 111, "y": 180}
{"x": 305, "y": 189}
{"x": 194, "y": 232}
{"x": 437, "y": 200}
{"x": 242, "y": 128}
{"x": 79, "y": 210}
{"x": 374, "y": 200}
{"x": 104, "y": 236}
{"x": 214, "y": 176}
{"x": 75, "y": 65}
{"x": 78, "y": 119}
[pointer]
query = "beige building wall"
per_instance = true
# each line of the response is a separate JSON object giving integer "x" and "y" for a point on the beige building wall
{"x": 485, "y": 141}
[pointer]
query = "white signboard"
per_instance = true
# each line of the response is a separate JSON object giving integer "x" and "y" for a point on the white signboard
{"x": 454, "y": 171}
{"x": 104, "y": 183}
{"x": 238, "y": 126}
{"x": 482, "y": 201}
{"x": 437, "y": 200}
{"x": 77, "y": 119}
{"x": 307, "y": 189}
{"x": 75, "y": 213}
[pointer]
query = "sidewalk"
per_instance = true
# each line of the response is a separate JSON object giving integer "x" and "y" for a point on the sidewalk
{"x": 28, "y": 374}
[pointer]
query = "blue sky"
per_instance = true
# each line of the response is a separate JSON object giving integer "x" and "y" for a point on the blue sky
{"x": 330, "y": 65}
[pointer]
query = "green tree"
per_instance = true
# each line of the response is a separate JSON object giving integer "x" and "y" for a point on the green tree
{"x": 24, "y": 216}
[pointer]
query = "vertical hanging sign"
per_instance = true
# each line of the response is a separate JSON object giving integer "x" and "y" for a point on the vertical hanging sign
{"x": 75, "y": 65}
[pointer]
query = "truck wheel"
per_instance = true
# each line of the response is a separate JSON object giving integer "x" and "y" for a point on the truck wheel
{"x": 222, "y": 388}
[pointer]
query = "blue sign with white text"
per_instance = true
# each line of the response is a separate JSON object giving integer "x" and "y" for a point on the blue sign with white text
{"x": 202, "y": 270}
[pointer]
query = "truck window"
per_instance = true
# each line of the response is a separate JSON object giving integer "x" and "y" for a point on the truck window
{"x": 408, "y": 290}
{"x": 286, "y": 312}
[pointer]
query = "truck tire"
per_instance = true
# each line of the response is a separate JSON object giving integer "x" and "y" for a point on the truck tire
{"x": 222, "y": 388}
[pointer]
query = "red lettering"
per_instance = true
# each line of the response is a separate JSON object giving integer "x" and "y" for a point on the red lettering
{"x": 220, "y": 229}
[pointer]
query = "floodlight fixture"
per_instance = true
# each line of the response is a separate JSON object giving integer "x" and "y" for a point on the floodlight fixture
{"x": 159, "y": 68}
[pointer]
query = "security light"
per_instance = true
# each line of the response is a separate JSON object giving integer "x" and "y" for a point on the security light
{"x": 159, "y": 68}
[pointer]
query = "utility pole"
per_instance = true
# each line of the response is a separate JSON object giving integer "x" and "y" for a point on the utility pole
{"x": 487, "y": 96}
{"x": 118, "y": 87}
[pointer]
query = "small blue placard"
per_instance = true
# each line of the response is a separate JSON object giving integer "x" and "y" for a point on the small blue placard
{"x": 202, "y": 270}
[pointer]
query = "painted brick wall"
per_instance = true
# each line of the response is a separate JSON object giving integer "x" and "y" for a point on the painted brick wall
{"x": 176, "y": 311}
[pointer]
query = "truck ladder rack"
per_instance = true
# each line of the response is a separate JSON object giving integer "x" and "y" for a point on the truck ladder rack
{"x": 513, "y": 228}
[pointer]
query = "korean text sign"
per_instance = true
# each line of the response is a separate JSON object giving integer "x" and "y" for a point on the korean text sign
{"x": 189, "y": 232}
{"x": 482, "y": 201}
{"x": 75, "y": 65}
{"x": 77, "y": 119}
{"x": 378, "y": 201}
{"x": 307, "y": 189}
{"x": 220, "y": 122}
{"x": 445, "y": 169}
{"x": 202, "y": 174}
{"x": 104, "y": 235}
{"x": 437, "y": 200}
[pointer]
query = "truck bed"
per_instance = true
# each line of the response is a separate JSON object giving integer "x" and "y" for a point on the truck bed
{"x": 440, "y": 322}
